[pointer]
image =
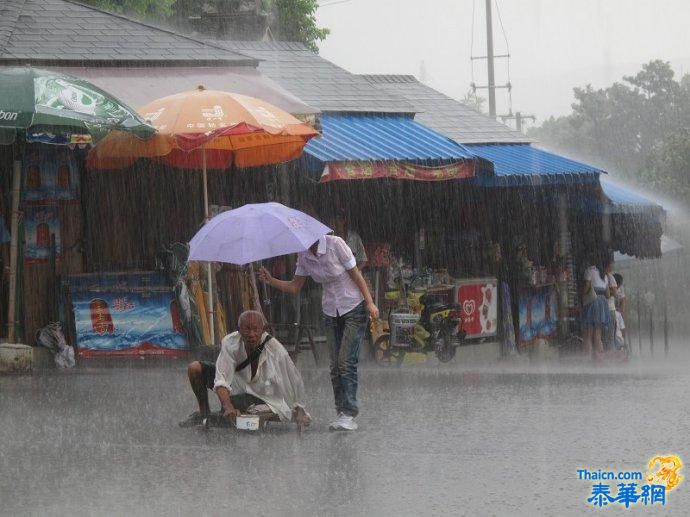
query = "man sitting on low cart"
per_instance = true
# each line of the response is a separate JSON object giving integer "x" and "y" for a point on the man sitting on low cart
{"x": 253, "y": 370}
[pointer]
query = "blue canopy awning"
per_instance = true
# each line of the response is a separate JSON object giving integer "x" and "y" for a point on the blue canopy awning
{"x": 356, "y": 138}
{"x": 623, "y": 200}
{"x": 523, "y": 164}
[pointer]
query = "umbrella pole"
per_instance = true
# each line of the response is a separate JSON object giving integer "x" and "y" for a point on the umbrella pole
{"x": 255, "y": 289}
{"x": 209, "y": 271}
{"x": 14, "y": 249}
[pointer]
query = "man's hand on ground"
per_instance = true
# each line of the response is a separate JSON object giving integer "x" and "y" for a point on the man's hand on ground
{"x": 301, "y": 417}
{"x": 230, "y": 413}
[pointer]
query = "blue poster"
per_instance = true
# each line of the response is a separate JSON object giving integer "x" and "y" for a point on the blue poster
{"x": 538, "y": 311}
{"x": 41, "y": 222}
{"x": 122, "y": 318}
{"x": 51, "y": 173}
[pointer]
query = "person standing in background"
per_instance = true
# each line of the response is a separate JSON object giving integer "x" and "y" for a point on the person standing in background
{"x": 611, "y": 301}
{"x": 595, "y": 310}
{"x": 343, "y": 230}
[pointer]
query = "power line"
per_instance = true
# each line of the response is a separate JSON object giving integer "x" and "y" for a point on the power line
{"x": 333, "y": 2}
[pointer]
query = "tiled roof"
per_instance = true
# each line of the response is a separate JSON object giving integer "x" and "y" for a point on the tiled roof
{"x": 328, "y": 87}
{"x": 59, "y": 32}
{"x": 317, "y": 81}
{"x": 446, "y": 115}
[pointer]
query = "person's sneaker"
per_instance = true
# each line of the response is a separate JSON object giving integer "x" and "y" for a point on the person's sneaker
{"x": 195, "y": 418}
{"x": 343, "y": 422}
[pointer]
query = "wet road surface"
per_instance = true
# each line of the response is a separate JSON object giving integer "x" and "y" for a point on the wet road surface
{"x": 434, "y": 440}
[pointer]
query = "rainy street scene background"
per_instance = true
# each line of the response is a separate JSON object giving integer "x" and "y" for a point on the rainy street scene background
{"x": 344, "y": 257}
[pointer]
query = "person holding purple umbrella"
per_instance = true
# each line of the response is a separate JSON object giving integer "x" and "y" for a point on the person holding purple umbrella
{"x": 347, "y": 306}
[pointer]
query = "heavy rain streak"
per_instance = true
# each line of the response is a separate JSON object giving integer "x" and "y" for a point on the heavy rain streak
{"x": 337, "y": 257}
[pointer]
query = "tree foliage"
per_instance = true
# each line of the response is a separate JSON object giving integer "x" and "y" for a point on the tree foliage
{"x": 636, "y": 128}
{"x": 140, "y": 8}
{"x": 295, "y": 20}
{"x": 474, "y": 101}
{"x": 290, "y": 20}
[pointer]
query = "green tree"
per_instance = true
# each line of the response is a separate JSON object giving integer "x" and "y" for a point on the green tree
{"x": 295, "y": 20}
{"x": 156, "y": 9}
{"x": 474, "y": 101}
{"x": 668, "y": 169}
{"x": 629, "y": 126}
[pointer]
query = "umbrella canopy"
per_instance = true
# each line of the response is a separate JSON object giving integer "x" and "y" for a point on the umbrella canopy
{"x": 42, "y": 100}
{"x": 255, "y": 232}
{"x": 211, "y": 128}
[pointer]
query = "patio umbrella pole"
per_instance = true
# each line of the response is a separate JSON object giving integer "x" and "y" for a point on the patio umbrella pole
{"x": 212, "y": 331}
{"x": 14, "y": 250}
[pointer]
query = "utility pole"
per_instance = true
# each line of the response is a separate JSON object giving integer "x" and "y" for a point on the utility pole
{"x": 490, "y": 57}
{"x": 490, "y": 60}
{"x": 518, "y": 118}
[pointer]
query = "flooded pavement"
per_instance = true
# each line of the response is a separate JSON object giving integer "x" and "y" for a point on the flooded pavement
{"x": 433, "y": 440}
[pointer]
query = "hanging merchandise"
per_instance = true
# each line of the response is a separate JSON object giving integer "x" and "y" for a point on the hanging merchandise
{"x": 41, "y": 223}
{"x": 51, "y": 174}
{"x": 538, "y": 311}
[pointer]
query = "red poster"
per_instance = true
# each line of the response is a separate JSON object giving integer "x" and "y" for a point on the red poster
{"x": 478, "y": 299}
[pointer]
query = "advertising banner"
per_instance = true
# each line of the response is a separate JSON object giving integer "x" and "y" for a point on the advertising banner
{"x": 396, "y": 170}
{"x": 126, "y": 315}
{"x": 538, "y": 314}
{"x": 51, "y": 174}
{"x": 40, "y": 222}
{"x": 54, "y": 94}
{"x": 478, "y": 299}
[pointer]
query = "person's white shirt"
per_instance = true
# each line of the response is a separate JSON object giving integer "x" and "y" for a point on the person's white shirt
{"x": 620, "y": 294}
{"x": 620, "y": 327}
{"x": 329, "y": 267}
{"x": 592, "y": 275}
{"x": 612, "y": 284}
{"x": 277, "y": 381}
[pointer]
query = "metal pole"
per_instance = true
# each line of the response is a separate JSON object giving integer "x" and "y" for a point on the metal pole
{"x": 651, "y": 330}
{"x": 639, "y": 322}
{"x": 665, "y": 325}
{"x": 209, "y": 278}
{"x": 490, "y": 60}
{"x": 14, "y": 249}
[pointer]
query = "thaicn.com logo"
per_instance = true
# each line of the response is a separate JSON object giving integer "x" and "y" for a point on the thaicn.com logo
{"x": 8, "y": 116}
{"x": 634, "y": 488}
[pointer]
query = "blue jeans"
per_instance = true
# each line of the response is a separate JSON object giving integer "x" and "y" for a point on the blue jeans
{"x": 345, "y": 334}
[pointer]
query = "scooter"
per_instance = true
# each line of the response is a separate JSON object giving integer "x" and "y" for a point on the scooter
{"x": 437, "y": 329}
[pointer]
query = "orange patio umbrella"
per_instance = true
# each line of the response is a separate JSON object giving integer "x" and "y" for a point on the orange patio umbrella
{"x": 203, "y": 129}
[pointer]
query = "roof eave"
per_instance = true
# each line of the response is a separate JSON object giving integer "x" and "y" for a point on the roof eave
{"x": 122, "y": 63}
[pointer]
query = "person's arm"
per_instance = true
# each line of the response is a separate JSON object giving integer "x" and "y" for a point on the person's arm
{"x": 356, "y": 275}
{"x": 229, "y": 411}
{"x": 225, "y": 372}
{"x": 613, "y": 286}
{"x": 289, "y": 286}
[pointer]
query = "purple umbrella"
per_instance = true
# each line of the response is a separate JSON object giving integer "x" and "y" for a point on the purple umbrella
{"x": 255, "y": 232}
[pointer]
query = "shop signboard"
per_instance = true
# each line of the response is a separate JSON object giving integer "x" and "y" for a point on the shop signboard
{"x": 126, "y": 315}
{"x": 395, "y": 170}
{"x": 478, "y": 299}
{"x": 538, "y": 313}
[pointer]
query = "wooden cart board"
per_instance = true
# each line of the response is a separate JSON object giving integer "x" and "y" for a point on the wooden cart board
{"x": 245, "y": 422}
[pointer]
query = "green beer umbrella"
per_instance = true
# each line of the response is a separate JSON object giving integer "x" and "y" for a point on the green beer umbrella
{"x": 41, "y": 105}
{"x": 42, "y": 100}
